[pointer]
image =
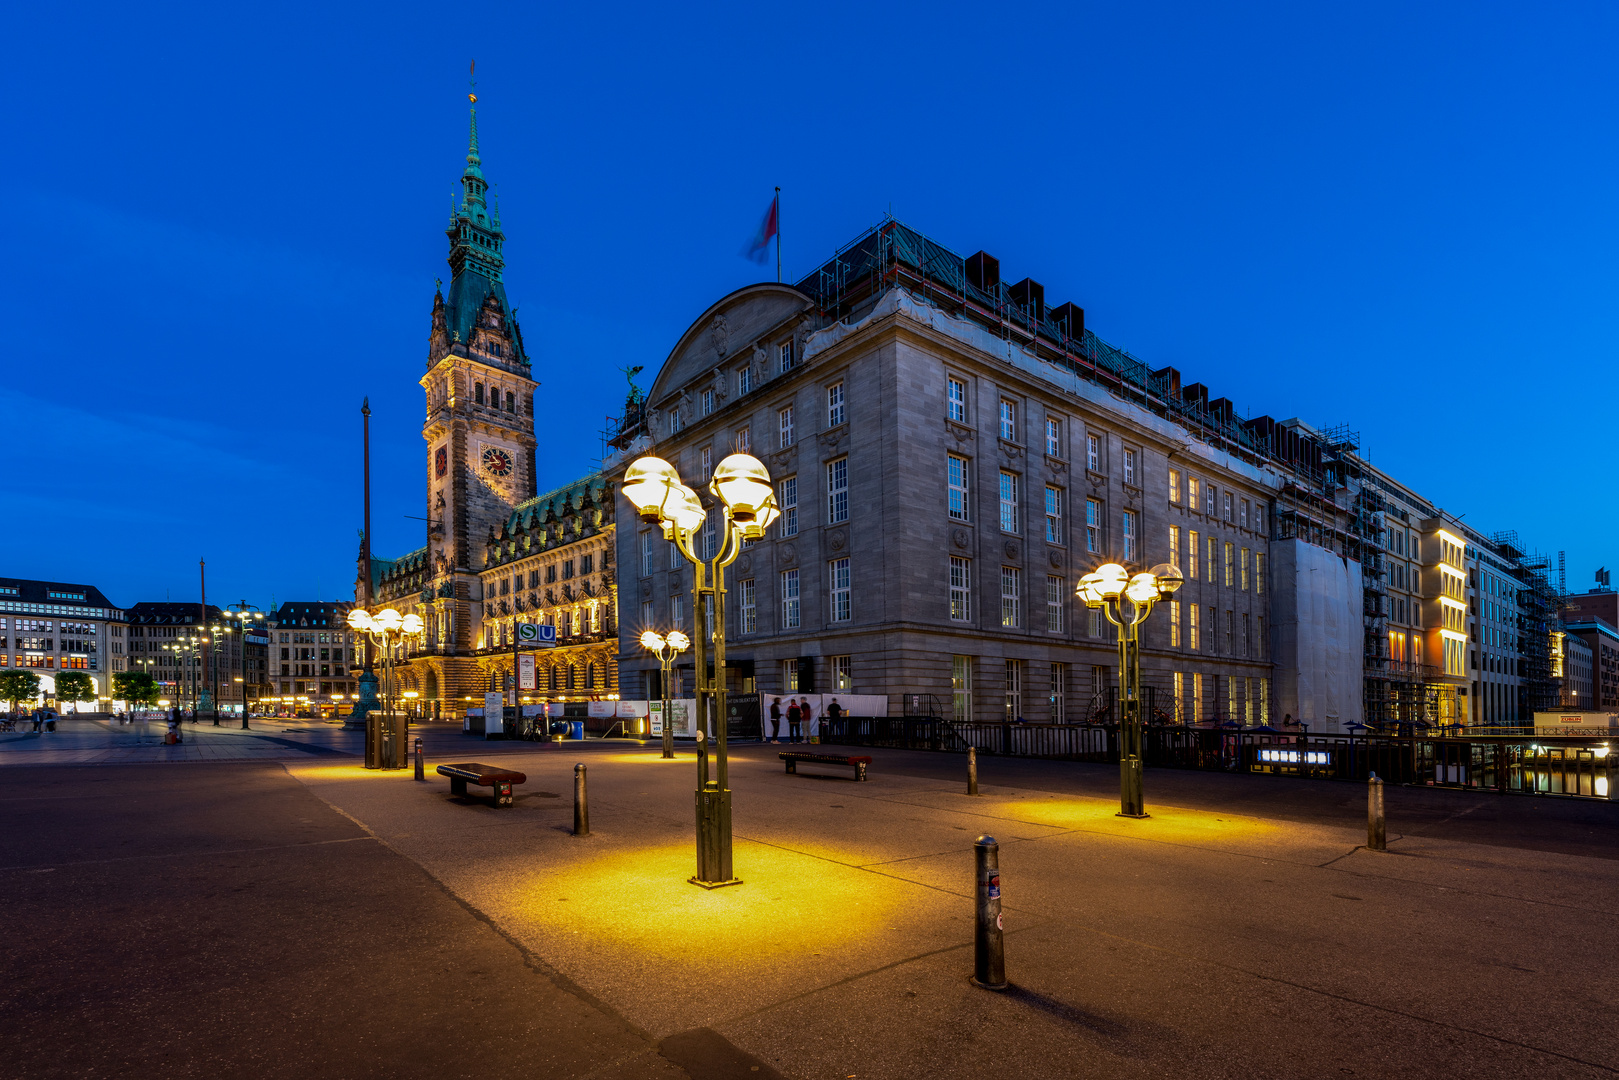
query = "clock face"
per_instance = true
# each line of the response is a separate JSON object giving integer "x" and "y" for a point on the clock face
{"x": 497, "y": 461}
{"x": 441, "y": 462}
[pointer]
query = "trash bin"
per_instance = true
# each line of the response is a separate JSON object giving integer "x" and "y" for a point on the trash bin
{"x": 576, "y": 729}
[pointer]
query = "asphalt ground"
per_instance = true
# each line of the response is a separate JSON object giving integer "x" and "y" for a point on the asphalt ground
{"x": 221, "y": 921}
{"x": 309, "y": 917}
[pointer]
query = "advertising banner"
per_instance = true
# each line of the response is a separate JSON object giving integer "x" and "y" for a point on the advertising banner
{"x": 525, "y": 671}
{"x": 494, "y": 713}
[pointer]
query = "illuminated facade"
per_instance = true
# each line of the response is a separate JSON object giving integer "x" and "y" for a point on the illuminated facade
{"x": 553, "y": 562}
{"x": 50, "y": 626}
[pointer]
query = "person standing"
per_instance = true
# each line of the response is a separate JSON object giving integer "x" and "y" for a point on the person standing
{"x": 775, "y": 721}
{"x": 39, "y": 718}
{"x": 834, "y": 712}
{"x": 794, "y": 716}
{"x": 811, "y": 732}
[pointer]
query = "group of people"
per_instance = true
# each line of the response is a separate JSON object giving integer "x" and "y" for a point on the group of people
{"x": 800, "y": 717}
{"x": 43, "y": 716}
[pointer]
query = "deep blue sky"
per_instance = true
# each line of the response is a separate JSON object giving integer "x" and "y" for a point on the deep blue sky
{"x": 224, "y": 223}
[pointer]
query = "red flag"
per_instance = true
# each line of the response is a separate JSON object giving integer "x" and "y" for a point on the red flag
{"x": 759, "y": 248}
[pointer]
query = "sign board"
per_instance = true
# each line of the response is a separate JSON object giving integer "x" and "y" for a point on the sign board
{"x": 654, "y": 711}
{"x": 601, "y": 710}
{"x": 525, "y": 671}
{"x": 536, "y": 634}
{"x": 494, "y": 713}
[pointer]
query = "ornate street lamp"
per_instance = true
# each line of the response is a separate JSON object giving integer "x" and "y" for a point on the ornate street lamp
{"x": 741, "y": 485}
{"x": 1108, "y": 587}
{"x": 242, "y": 616}
{"x": 666, "y": 647}
{"x": 388, "y": 629}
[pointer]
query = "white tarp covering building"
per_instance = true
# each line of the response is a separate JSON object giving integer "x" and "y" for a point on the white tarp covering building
{"x": 1319, "y": 641}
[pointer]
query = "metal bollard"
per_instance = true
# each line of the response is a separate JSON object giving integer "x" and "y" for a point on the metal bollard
{"x": 1376, "y": 827}
{"x": 989, "y": 954}
{"x": 581, "y": 813}
{"x": 420, "y": 775}
{"x": 972, "y": 770}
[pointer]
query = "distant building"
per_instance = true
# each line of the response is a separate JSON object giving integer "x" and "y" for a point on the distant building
{"x": 1575, "y": 672}
{"x": 1603, "y": 641}
{"x": 311, "y": 651}
{"x": 52, "y": 626}
{"x": 160, "y": 633}
{"x": 1597, "y": 604}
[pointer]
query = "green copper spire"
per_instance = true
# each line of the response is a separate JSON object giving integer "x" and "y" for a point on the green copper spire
{"x": 476, "y": 311}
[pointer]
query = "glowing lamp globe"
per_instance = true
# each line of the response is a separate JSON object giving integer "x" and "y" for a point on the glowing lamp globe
{"x": 1168, "y": 577}
{"x": 1111, "y": 580}
{"x": 360, "y": 619}
{"x": 683, "y": 510}
{"x": 677, "y": 641}
{"x": 648, "y": 483}
{"x": 742, "y": 483}
{"x": 1142, "y": 589}
{"x": 413, "y": 624}
{"x": 651, "y": 640}
{"x": 388, "y": 620}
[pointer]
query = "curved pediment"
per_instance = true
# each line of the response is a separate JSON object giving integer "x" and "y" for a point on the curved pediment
{"x": 726, "y": 334}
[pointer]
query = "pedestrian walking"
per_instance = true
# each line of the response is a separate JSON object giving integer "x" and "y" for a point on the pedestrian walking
{"x": 812, "y": 733}
{"x": 775, "y": 720}
{"x": 39, "y": 719}
{"x": 795, "y": 716}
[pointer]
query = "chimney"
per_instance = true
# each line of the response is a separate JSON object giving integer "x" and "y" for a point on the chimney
{"x": 983, "y": 271}
{"x": 1072, "y": 316}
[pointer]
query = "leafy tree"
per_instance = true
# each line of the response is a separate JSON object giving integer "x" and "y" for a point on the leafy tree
{"x": 135, "y": 687}
{"x": 74, "y": 686}
{"x": 18, "y": 686}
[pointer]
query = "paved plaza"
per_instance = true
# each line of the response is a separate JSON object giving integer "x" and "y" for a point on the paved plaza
{"x": 289, "y": 913}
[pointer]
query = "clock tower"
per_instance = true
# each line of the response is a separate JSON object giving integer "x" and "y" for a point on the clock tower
{"x": 480, "y": 424}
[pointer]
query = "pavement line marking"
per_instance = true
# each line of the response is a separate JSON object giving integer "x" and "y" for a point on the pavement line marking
{"x": 184, "y": 854}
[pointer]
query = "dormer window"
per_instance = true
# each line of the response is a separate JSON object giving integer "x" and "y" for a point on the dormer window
{"x": 494, "y": 347}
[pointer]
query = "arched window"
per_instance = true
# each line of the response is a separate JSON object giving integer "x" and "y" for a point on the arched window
{"x": 477, "y": 393}
{"x": 511, "y": 398}
{"x": 590, "y": 676}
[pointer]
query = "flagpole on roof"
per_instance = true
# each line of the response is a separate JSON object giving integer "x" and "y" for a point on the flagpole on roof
{"x": 778, "y": 235}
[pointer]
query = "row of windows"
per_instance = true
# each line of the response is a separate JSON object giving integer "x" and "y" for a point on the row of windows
{"x": 504, "y": 586}
{"x": 707, "y": 401}
{"x": 1222, "y": 561}
{"x": 1203, "y": 497}
{"x": 1193, "y": 697}
{"x": 494, "y": 393}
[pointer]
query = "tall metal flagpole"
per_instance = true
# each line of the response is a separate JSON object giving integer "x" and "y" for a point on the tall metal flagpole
{"x": 778, "y": 234}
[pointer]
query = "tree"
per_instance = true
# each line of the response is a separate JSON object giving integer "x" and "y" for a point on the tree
{"x": 135, "y": 687}
{"x": 18, "y": 686}
{"x": 74, "y": 686}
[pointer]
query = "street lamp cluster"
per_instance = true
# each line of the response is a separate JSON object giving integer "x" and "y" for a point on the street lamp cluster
{"x": 387, "y": 628}
{"x": 666, "y": 647}
{"x": 1107, "y": 588}
{"x": 747, "y": 505}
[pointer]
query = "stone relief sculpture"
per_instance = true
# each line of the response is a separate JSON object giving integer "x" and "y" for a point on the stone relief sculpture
{"x": 720, "y": 333}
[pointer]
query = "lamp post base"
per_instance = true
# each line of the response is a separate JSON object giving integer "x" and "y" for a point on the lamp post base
{"x": 714, "y": 884}
{"x": 1143, "y": 814}
{"x": 713, "y": 838}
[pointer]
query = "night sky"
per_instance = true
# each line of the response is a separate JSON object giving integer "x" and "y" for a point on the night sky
{"x": 225, "y": 223}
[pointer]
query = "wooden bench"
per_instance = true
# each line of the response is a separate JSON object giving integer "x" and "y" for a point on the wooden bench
{"x": 500, "y": 780}
{"x": 858, "y": 764}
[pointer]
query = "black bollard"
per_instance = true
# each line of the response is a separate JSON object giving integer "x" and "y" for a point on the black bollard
{"x": 581, "y": 813}
{"x": 972, "y": 770}
{"x": 1376, "y": 828}
{"x": 420, "y": 774}
{"x": 989, "y": 953}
